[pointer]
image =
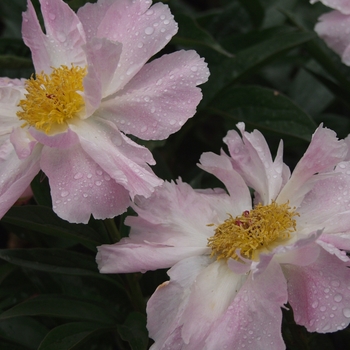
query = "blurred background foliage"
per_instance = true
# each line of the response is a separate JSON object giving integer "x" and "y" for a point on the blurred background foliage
{"x": 268, "y": 69}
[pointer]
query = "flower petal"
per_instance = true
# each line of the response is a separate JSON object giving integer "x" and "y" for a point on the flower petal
{"x": 253, "y": 320}
{"x": 323, "y": 154}
{"x": 122, "y": 159}
{"x": 161, "y": 97}
{"x": 142, "y": 31}
{"x": 63, "y": 40}
{"x": 63, "y": 140}
{"x": 15, "y": 174}
{"x": 22, "y": 142}
{"x": 167, "y": 304}
{"x": 251, "y": 158}
{"x": 221, "y": 167}
{"x": 341, "y": 5}
{"x": 319, "y": 293}
{"x": 332, "y": 29}
{"x": 80, "y": 187}
{"x": 103, "y": 58}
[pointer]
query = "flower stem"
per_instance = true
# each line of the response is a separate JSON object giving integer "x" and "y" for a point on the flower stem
{"x": 137, "y": 298}
{"x": 112, "y": 230}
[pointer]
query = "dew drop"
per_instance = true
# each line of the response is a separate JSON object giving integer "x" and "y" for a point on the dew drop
{"x": 149, "y": 12}
{"x": 172, "y": 122}
{"x": 98, "y": 183}
{"x": 144, "y": 128}
{"x": 323, "y": 308}
{"x": 346, "y": 312}
{"x": 52, "y": 16}
{"x": 107, "y": 177}
{"x": 89, "y": 176}
{"x": 78, "y": 176}
{"x": 338, "y": 298}
{"x": 64, "y": 193}
{"x": 166, "y": 21}
{"x": 314, "y": 304}
{"x": 85, "y": 195}
{"x": 335, "y": 283}
{"x": 140, "y": 45}
{"x": 149, "y": 30}
{"x": 194, "y": 69}
{"x": 99, "y": 172}
{"x": 61, "y": 37}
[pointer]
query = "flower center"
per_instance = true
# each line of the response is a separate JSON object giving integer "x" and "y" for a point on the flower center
{"x": 261, "y": 229}
{"x": 53, "y": 99}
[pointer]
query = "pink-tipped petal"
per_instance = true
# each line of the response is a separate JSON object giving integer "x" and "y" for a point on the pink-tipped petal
{"x": 221, "y": 167}
{"x": 15, "y": 174}
{"x": 22, "y": 142}
{"x": 126, "y": 257}
{"x": 251, "y": 158}
{"x": 142, "y": 31}
{"x": 253, "y": 320}
{"x": 125, "y": 161}
{"x": 319, "y": 294}
{"x": 102, "y": 57}
{"x": 167, "y": 304}
{"x": 332, "y": 29}
{"x": 161, "y": 97}
{"x": 80, "y": 187}
{"x": 341, "y": 5}
{"x": 61, "y": 141}
{"x": 63, "y": 40}
{"x": 322, "y": 155}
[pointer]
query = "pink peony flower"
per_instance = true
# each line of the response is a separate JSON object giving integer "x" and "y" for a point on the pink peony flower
{"x": 92, "y": 87}
{"x": 234, "y": 264}
{"x": 333, "y": 27}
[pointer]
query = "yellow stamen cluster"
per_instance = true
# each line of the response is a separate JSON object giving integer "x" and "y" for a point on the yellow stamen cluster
{"x": 53, "y": 99}
{"x": 261, "y": 229}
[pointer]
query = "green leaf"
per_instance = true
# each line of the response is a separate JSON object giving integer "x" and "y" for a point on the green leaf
{"x": 23, "y": 331}
{"x": 192, "y": 34}
{"x": 134, "y": 331}
{"x": 256, "y": 11}
{"x": 60, "y": 306}
{"x": 14, "y": 62}
{"x": 70, "y": 336}
{"x": 52, "y": 260}
{"x": 265, "y": 109}
{"x": 5, "y": 270}
{"x": 43, "y": 219}
{"x": 249, "y": 60}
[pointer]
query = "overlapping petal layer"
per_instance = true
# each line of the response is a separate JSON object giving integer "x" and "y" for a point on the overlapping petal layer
{"x": 110, "y": 41}
{"x": 218, "y": 303}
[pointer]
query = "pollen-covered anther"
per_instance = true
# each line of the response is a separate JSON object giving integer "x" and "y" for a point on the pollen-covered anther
{"x": 255, "y": 231}
{"x": 53, "y": 99}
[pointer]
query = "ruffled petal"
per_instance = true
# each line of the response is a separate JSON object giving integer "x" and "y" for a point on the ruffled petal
{"x": 15, "y": 174}
{"x": 253, "y": 320}
{"x": 210, "y": 295}
{"x": 22, "y": 142}
{"x": 122, "y": 159}
{"x": 80, "y": 187}
{"x": 103, "y": 58}
{"x": 9, "y": 99}
{"x": 125, "y": 257}
{"x": 63, "y": 40}
{"x": 319, "y": 293}
{"x": 327, "y": 205}
{"x": 341, "y": 5}
{"x": 332, "y": 29}
{"x": 221, "y": 167}
{"x": 161, "y": 97}
{"x": 323, "y": 154}
{"x": 143, "y": 31}
{"x": 63, "y": 140}
{"x": 251, "y": 158}
{"x": 167, "y": 304}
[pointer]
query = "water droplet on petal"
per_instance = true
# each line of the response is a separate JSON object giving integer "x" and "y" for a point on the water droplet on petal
{"x": 346, "y": 312}
{"x": 314, "y": 304}
{"x": 99, "y": 172}
{"x": 194, "y": 69}
{"x": 64, "y": 193}
{"x": 85, "y": 195}
{"x": 78, "y": 176}
{"x": 89, "y": 176}
{"x": 149, "y": 30}
{"x": 144, "y": 128}
{"x": 98, "y": 183}
{"x": 61, "y": 37}
{"x": 52, "y": 16}
{"x": 338, "y": 298}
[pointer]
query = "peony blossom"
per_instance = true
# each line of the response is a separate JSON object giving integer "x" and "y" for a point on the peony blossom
{"x": 92, "y": 87}
{"x": 333, "y": 27}
{"x": 235, "y": 262}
